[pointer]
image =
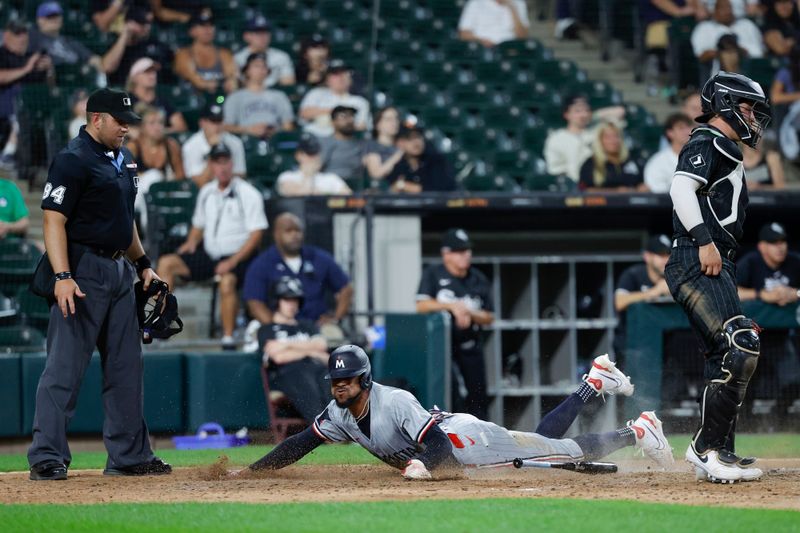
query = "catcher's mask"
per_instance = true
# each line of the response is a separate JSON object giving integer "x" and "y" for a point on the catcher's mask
{"x": 157, "y": 310}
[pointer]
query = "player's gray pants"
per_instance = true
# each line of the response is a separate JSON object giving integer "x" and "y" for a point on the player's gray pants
{"x": 477, "y": 442}
{"x": 105, "y": 318}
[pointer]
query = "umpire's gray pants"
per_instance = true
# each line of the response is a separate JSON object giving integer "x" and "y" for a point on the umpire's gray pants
{"x": 105, "y": 318}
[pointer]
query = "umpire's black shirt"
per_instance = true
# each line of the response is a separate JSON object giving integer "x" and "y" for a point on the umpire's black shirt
{"x": 94, "y": 187}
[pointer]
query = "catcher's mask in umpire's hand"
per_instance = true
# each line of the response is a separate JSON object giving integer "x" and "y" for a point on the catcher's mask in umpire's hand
{"x": 157, "y": 310}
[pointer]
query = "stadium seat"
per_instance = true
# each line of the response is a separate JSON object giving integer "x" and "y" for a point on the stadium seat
{"x": 21, "y": 337}
{"x": 466, "y": 52}
{"x": 439, "y": 75}
{"x": 18, "y": 259}
{"x": 33, "y": 309}
{"x": 528, "y": 49}
{"x": 761, "y": 70}
{"x": 488, "y": 181}
{"x": 283, "y": 417}
{"x": 682, "y": 62}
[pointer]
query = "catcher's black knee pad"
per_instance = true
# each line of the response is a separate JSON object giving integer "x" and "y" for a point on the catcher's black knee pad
{"x": 723, "y": 396}
{"x": 741, "y": 357}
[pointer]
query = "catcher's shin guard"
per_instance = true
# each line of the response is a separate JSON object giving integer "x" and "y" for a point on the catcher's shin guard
{"x": 723, "y": 396}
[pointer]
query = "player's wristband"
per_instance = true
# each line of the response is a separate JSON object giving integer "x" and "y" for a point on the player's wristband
{"x": 64, "y": 275}
{"x": 700, "y": 234}
{"x": 142, "y": 264}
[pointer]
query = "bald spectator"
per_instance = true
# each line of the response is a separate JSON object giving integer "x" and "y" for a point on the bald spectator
{"x": 258, "y": 35}
{"x": 316, "y": 270}
{"x": 491, "y": 22}
{"x": 316, "y": 106}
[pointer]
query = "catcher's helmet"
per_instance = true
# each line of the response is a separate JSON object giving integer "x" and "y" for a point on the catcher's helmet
{"x": 348, "y": 361}
{"x": 157, "y": 311}
{"x": 286, "y": 287}
{"x": 722, "y": 95}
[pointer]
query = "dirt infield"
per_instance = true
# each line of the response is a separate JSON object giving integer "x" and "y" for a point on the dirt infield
{"x": 779, "y": 489}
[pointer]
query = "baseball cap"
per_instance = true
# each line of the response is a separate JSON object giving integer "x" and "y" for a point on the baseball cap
{"x": 308, "y": 144}
{"x": 219, "y": 150}
{"x": 258, "y": 23}
{"x": 17, "y": 26}
{"x": 115, "y": 103}
{"x": 204, "y": 16}
{"x": 342, "y": 109}
{"x": 48, "y": 9}
{"x": 212, "y": 112}
{"x": 659, "y": 244}
{"x": 337, "y": 65}
{"x": 142, "y": 65}
{"x": 772, "y": 232}
{"x": 456, "y": 240}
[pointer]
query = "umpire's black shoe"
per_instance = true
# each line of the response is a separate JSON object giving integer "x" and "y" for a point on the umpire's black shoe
{"x": 154, "y": 467}
{"x": 48, "y": 471}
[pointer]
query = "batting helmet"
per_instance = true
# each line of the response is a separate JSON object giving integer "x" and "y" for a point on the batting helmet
{"x": 722, "y": 95}
{"x": 348, "y": 361}
{"x": 157, "y": 311}
{"x": 286, "y": 287}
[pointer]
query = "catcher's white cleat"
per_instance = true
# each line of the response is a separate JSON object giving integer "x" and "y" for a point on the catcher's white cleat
{"x": 717, "y": 470}
{"x": 604, "y": 377}
{"x": 651, "y": 440}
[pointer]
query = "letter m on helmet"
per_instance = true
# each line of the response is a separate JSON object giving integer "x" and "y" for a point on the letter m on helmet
{"x": 339, "y": 363}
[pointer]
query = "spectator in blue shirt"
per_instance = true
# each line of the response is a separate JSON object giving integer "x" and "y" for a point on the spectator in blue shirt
{"x": 314, "y": 267}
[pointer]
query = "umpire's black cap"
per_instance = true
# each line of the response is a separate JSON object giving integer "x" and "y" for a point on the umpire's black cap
{"x": 772, "y": 232}
{"x": 456, "y": 240}
{"x": 115, "y": 103}
{"x": 659, "y": 244}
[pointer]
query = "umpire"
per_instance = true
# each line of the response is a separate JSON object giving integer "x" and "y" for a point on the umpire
{"x": 88, "y": 233}
{"x": 709, "y": 195}
{"x": 463, "y": 291}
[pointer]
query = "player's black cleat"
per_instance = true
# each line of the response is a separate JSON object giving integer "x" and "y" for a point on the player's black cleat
{"x": 154, "y": 467}
{"x": 48, "y": 471}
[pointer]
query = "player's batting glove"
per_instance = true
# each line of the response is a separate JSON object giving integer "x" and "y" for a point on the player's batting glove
{"x": 416, "y": 470}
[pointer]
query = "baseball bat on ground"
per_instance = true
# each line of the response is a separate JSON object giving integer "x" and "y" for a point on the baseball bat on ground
{"x": 584, "y": 467}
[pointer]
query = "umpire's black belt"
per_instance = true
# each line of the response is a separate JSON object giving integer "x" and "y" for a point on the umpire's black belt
{"x": 102, "y": 252}
{"x": 727, "y": 253}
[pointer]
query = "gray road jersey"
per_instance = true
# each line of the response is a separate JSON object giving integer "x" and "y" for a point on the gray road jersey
{"x": 477, "y": 442}
{"x": 397, "y": 425}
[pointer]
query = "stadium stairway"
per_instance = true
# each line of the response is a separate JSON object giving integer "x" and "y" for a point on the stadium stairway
{"x": 617, "y": 71}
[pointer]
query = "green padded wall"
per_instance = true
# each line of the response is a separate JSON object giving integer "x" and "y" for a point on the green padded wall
{"x": 418, "y": 350}
{"x": 10, "y": 396}
{"x": 89, "y": 410}
{"x": 225, "y": 388}
{"x": 164, "y": 392}
{"x": 646, "y": 324}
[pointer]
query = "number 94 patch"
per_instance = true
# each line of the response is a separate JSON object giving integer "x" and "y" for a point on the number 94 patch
{"x": 56, "y": 194}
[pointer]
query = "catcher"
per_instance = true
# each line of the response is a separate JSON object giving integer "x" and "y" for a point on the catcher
{"x": 392, "y": 425}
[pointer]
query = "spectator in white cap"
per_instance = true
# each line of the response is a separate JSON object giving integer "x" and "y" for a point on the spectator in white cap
{"x": 46, "y": 37}
{"x": 316, "y": 107}
{"x": 258, "y": 36}
{"x": 141, "y": 86}
{"x": 254, "y": 110}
